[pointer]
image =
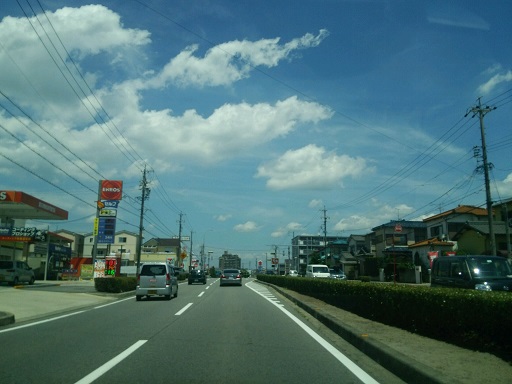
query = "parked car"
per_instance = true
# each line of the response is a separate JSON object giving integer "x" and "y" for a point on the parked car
{"x": 487, "y": 273}
{"x": 318, "y": 270}
{"x": 156, "y": 279}
{"x": 15, "y": 272}
{"x": 231, "y": 277}
{"x": 196, "y": 276}
{"x": 337, "y": 274}
{"x": 293, "y": 273}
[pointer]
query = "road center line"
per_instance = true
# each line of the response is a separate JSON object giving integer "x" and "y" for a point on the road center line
{"x": 354, "y": 368}
{"x": 183, "y": 309}
{"x": 201, "y": 294}
{"x": 110, "y": 364}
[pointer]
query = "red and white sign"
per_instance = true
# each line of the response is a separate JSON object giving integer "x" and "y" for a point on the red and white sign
{"x": 431, "y": 256}
{"x": 398, "y": 228}
{"x": 111, "y": 190}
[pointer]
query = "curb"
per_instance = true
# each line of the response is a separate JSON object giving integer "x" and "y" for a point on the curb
{"x": 394, "y": 361}
{"x": 6, "y": 318}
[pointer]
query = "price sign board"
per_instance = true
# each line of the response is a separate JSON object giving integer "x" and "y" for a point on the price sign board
{"x": 110, "y": 267}
{"x": 106, "y": 230}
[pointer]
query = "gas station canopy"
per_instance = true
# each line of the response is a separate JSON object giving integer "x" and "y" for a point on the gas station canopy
{"x": 19, "y": 205}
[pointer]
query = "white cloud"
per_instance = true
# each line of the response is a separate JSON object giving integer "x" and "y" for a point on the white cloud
{"x": 494, "y": 81}
{"x": 239, "y": 127}
{"x": 248, "y": 226}
{"x": 28, "y": 71}
{"x": 315, "y": 203}
{"x": 355, "y": 223}
{"x": 310, "y": 167}
{"x": 289, "y": 228}
{"x": 229, "y": 62}
{"x": 222, "y": 217}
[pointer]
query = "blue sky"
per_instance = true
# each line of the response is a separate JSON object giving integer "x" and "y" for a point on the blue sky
{"x": 254, "y": 117}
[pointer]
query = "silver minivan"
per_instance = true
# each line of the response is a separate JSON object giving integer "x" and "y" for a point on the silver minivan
{"x": 318, "y": 270}
{"x": 14, "y": 272}
{"x": 156, "y": 279}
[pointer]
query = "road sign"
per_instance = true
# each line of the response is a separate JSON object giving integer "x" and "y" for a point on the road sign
{"x": 398, "y": 228}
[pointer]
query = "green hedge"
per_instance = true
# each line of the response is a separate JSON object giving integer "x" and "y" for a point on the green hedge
{"x": 115, "y": 284}
{"x": 471, "y": 319}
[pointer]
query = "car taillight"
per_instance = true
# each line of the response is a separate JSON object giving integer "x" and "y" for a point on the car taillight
{"x": 222, "y": 276}
{"x": 138, "y": 279}
{"x": 168, "y": 277}
{"x": 237, "y": 276}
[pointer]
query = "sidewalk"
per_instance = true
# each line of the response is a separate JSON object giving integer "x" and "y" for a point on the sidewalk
{"x": 29, "y": 302}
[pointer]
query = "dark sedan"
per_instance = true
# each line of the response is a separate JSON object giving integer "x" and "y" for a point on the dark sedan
{"x": 196, "y": 276}
{"x": 231, "y": 277}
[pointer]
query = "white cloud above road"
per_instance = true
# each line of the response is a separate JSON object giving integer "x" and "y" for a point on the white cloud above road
{"x": 229, "y": 62}
{"x": 311, "y": 167}
{"x": 248, "y": 226}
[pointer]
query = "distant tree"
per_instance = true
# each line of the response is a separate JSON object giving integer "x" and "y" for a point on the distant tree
{"x": 314, "y": 258}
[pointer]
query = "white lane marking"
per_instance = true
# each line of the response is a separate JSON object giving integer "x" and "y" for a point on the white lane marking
{"x": 183, "y": 309}
{"x": 351, "y": 366}
{"x": 40, "y": 322}
{"x": 111, "y": 363}
{"x": 201, "y": 294}
{"x": 61, "y": 317}
{"x": 112, "y": 303}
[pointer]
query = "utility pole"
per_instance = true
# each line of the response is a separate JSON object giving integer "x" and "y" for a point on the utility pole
{"x": 190, "y": 256}
{"x": 481, "y": 112}
{"x": 177, "y": 262}
{"x": 145, "y": 195}
{"x": 325, "y": 234}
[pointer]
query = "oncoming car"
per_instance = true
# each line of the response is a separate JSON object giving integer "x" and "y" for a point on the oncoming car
{"x": 338, "y": 274}
{"x": 293, "y": 273}
{"x": 485, "y": 273}
{"x": 231, "y": 277}
{"x": 318, "y": 270}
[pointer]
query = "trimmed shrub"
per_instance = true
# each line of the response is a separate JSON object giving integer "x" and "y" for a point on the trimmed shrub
{"x": 115, "y": 284}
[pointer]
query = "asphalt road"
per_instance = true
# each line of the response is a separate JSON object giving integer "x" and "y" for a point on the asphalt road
{"x": 208, "y": 334}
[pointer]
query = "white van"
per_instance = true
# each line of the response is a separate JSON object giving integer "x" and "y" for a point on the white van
{"x": 318, "y": 270}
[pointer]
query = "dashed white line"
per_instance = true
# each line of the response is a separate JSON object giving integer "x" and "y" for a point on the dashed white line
{"x": 183, "y": 309}
{"x": 111, "y": 363}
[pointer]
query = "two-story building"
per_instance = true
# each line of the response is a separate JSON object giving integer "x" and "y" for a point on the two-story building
{"x": 446, "y": 224}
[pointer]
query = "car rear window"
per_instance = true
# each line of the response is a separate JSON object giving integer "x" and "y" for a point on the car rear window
{"x": 231, "y": 271}
{"x": 153, "y": 270}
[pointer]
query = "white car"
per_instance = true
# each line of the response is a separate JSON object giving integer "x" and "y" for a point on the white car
{"x": 318, "y": 270}
{"x": 156, "y": 279}
{"x": 293, "y": 273}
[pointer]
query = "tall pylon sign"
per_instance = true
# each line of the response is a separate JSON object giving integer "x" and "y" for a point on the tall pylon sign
{"x": 110, "y": 193}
